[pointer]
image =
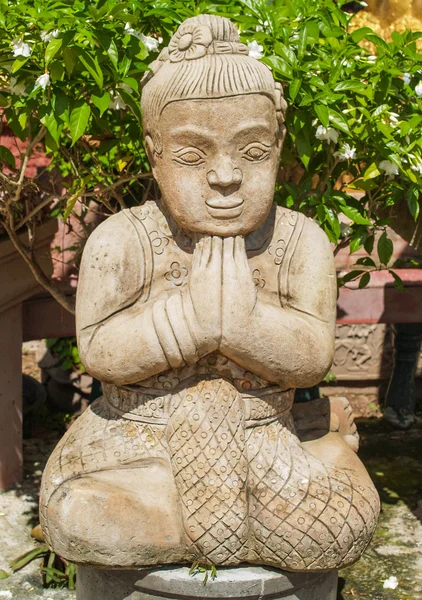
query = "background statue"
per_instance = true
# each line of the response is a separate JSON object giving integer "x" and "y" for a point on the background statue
{"x": 386, "y": 16}
{"x": 201, "y": 314}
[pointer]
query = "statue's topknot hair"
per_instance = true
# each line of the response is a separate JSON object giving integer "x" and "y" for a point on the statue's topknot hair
{"x": 205, "y": 59}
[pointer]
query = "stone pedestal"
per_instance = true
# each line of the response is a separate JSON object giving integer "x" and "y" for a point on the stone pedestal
{"x": 174, "y": 583}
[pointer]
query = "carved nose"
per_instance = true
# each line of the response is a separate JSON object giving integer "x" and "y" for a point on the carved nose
{"x": 224, "y": 176}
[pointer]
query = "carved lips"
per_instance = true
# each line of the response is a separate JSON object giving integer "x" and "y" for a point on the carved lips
{"x": 225, "y": 208}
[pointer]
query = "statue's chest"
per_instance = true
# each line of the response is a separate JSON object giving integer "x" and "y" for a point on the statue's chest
{"x": 172, "y": 264}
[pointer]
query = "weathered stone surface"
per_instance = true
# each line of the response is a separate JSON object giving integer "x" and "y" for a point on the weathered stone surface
{"x": 200, "y": 314}
{"x": 251, "y": 583}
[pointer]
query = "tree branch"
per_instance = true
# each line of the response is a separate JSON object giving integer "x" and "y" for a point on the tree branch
{"x": 65, "y": 301}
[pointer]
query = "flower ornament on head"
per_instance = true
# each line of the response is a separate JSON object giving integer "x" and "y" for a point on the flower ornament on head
{"x": 189, "y": 42}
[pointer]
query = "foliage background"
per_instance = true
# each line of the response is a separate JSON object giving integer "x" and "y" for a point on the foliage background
{"x": 354, "y": 143}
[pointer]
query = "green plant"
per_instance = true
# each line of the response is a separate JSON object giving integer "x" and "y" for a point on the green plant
{"x": 209, "y": 571}
{"x": 66, "y": 351}
{"x": 56, "y": 572}
{"x": 71, "y": 71}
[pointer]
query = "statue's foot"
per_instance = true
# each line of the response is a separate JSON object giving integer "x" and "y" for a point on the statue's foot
{"x": 119, "y": 518}
{"x": 316, "y": 418}
{"x": 342, "y": 421}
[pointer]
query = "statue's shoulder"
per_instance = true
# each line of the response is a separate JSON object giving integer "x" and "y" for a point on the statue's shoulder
{"x": 301, "y": 231}
{"x": 115, "y": 270}
{"x": 150, "y": 214}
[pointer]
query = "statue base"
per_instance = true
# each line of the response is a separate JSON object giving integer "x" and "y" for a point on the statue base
{"x": 174, "y": 583}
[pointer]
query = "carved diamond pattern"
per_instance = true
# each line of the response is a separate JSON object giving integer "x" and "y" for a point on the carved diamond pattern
{"x": 302, "y": 514}
{"x": 207, "y": 447}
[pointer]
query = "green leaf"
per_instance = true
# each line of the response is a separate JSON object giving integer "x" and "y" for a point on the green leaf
{"x": 303, "y": 40}
{"x": 101, "y": 102}
{"x": 7, "y": 157}
{"x": 61, "y": 105}
{"x": 364, "y": 280}
{"x": 398, "y": 282}
{"x": 385, "y": 248}
{"x": 57, "y": 70}
{"x": 349, "y": 276}
{"x": 377, "y": 41}
{"x": 52, "y": 125}
{"x": 323, "y": 114}
{"x": 294, "y": 89}
{"x": 113, "y": 53}
{"x": 412, "y": 197}
{"x": 354, "y": 214}
{"x": 52, "y": 49}
{"x": 18, "y": 63}
{"x": 332, "y": 220}
{"x": 304, "y": 146}
{"x": 26, "y": 558}
{"x": 371, "y": 172}
{"x": 285, "y": 53}
{"x": 79, "y": 120}
{"x": 355, "y": 244}
{"x": 3, "y": 574}
{"x": 339, "y": 121}
{"x": 366, "y": 261}
{"x": 92, "y": 66}
{"x": 70, "y": 58}
{"x": 358, "y": 35}
{"x": 356, "y": 86}
{"x": 70, "y": 204}
{"x": 132, "y": 103}
{"x": 369, "y": 244}
{"x": 279, "y": 65}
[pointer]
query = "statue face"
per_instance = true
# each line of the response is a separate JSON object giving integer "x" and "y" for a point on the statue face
{"x": 219, "y": 163}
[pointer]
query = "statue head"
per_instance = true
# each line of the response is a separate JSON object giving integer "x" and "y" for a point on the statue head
{"x": 213, "y": 124}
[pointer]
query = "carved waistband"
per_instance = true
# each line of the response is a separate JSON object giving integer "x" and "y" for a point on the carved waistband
{"x": 152, "y": 406}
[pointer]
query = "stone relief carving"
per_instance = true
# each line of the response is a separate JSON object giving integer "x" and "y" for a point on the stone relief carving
{"x": 201, "y": 314}
{"x": 363, "y": 351}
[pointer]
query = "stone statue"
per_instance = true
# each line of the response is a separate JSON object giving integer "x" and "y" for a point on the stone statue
{"x": 387, "y": 16}
{"x": 200, "y": 315}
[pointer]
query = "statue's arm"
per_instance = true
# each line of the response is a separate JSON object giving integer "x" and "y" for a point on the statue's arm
{"x": 123, "y": 336}
{"x": 291, "y": 344}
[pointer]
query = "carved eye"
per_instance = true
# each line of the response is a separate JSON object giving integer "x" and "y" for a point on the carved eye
{"x": 189, "y": 157}
{"x": 255, "y": 152}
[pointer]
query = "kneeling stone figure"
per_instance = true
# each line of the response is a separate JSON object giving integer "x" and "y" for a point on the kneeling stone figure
{"x": 201, "y": 314}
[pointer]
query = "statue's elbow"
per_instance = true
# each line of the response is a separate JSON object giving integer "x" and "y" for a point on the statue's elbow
{"x": 324, "y": 357}
{"x": 97, "y": 361}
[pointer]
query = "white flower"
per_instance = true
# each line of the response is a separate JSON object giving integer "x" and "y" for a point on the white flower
{"x": 328, "y": 135}
{"x": 21, "y": 48}
{"x": 43, "y": 81}
{"x": 391, "y": 583}
{"x": 262, "y": 27}
{"x": 255, "y": 49}
{"x": 418, "y": 167}
{"x": 117, "y": 102}
{"x": 418, "y": 89}
{"x": 389, "y": 167}
{"x": 346, "y": 153}
{"x": 394, "y": 119}
{"x": 125, "y": 86}
{"x": 17, "y": 88}
{"x": 407, "y": 78}
{"x": 48, "y": 36}
{"x": 149, "y": 42}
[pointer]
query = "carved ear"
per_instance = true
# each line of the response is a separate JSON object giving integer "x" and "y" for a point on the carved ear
{"x": 149, "y": 144}
{"x": 282, "y": 130}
